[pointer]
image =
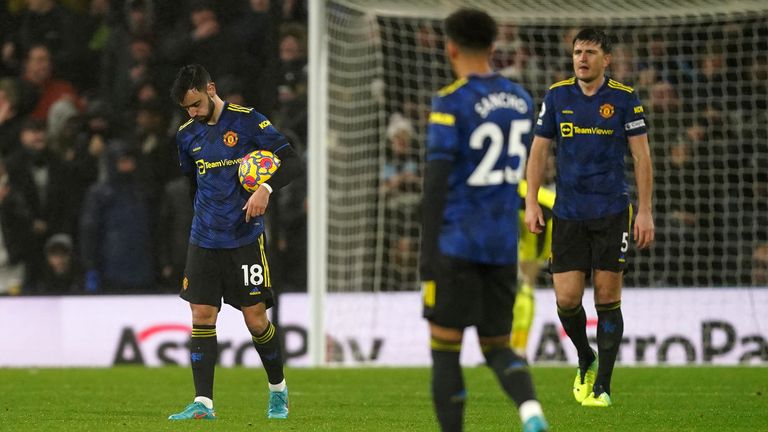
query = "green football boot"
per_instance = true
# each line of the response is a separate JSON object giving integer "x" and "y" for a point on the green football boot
{"x": 582, "y": 388}
{"x": 601, "y": 401}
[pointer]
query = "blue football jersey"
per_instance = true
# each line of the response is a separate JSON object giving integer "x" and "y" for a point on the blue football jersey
{"x": 215, "y": 153}
{"x": 590, "y": 134}
{"x": 483, "y": 125}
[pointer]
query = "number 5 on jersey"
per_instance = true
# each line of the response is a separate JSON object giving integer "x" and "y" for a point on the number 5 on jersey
{"x": 485, "y": 174}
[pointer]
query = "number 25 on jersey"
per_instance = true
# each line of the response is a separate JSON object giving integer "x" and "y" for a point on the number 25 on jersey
{"x": 485, "y": 174}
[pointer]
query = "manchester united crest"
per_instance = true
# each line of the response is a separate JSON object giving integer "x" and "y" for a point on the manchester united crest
{"x": 606, "y": 110}
{"x": 230, "y": 138}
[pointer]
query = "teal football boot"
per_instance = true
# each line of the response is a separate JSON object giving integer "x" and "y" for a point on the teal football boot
{"x": 278, "y": 404}
{"x": 535, "y": 424}
{"x": 194, "y": 411}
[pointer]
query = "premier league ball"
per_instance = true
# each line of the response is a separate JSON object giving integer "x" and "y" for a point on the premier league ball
{"x": 256, "y": 168}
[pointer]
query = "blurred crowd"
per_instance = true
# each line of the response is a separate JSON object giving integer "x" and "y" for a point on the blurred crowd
{"x": 704, "y": 87}
{"x": 91, "y": 196}
{"x": 92, "y": 200}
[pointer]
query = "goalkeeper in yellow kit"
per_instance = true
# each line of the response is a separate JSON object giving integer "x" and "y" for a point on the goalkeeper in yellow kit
{"x": 533, "y": 253}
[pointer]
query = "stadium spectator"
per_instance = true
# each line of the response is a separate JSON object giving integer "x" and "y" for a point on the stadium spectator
{"x": 559, "y": 55}
{"x": 232, "y": 90}
{"x": 62, "y": 127}
{"x": 679, "y": 225}
{"x": 401, "y": 186}
{"x": 38, "y": 75}
{"x": 98, "y": 28}
{"x": 664, "y": 109}
{"x": 7, "y": 62}
{"x": 292, "y": 81}
{"x": 757, "y": 86}
{"x": 173, "y": 225}
{"x": 292, "y": 10}
{"x": 257, "y": 27}
{"x": 729, "y": 68}
{"x": 202, "y": 39}
{"x": 42, "y": 180}
{"x": 88, "y": 155}
{"x": 46, "y": 23}
{"x": 514, "y": 59}
{"x": 293, "y": 52}
{"x": 142, "y": 67}
{"x": 15, "y": 232}
{"x": 623, "y": 64}
{"x": 127, "y": 57}
{"x": 663, "y": 61}
{"x": 62, "y": 273}
{"x": 760, "y": 265}
{"x": 115, "y": 231}
{"x": 157, "y": 156}
{"x": 10, "y": 120}
{"x": 711, "y": 82}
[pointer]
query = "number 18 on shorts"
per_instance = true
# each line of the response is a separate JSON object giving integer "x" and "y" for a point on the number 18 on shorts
{"x": 240, "y": 276}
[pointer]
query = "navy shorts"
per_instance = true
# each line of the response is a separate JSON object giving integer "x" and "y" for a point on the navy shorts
{"x": 468, "y": 294}
{"x": 584, "y": 245}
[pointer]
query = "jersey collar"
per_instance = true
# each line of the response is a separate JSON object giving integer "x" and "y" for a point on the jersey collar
{"x": 599, "y": 90}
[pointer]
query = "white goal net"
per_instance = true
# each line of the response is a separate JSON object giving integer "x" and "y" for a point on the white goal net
{"x": 699, "y": 66}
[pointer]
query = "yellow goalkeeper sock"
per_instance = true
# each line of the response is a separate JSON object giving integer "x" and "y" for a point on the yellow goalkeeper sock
{"x": 522, "y": 315}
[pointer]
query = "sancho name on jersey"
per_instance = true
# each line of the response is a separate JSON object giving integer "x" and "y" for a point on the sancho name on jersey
{"x": 495, "y": 117}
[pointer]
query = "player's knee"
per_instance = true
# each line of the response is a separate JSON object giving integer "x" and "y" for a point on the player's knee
{"x": 256, "y": 319}
{"x": 204, "y": 314}
{"x": 445, "y": 333}
{"x": 606, "y": 296}
{"x": 568, "y": 302}
{"x": 257, "y": 324}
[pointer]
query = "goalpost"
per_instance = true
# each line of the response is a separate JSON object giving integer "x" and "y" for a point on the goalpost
{"x": 699, "y": 66}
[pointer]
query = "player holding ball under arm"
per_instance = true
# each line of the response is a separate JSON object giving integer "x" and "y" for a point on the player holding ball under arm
{"x": 226, "y": 257}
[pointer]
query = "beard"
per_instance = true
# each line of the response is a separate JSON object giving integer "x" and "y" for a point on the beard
{"x": 207, "y": 117}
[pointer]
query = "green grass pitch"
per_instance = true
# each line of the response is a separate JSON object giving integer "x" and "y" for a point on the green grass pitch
{"x": 376, "y": 399}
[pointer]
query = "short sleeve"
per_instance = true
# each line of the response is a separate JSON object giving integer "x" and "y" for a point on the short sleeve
{"x": 634, "y": 117}
{"x": 265, "y": 134}
{"x": 545, "y": 124}
{"x": 442, "y": 135}
{"x": 186, "y": 163}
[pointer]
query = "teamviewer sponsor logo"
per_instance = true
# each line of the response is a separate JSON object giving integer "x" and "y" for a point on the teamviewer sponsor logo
{"x": 566, "y": 130}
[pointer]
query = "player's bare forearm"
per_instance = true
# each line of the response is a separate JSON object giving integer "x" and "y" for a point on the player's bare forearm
{"x": 257, "y": 203}
{"x": 537, "y": 161}
{"x": 644, "y": 230}
{"x": 534, "y": 173}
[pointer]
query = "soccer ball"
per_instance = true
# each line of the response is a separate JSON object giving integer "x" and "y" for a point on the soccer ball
{"x": 256, "y": 168}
